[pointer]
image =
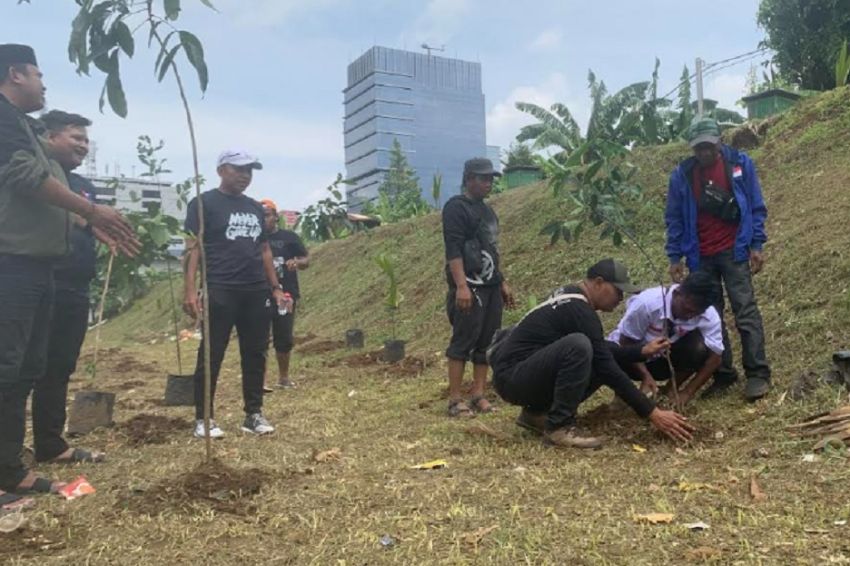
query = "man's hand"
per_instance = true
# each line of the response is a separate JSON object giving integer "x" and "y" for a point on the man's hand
{"x": 655, "y": 347}
{"x": 672, "y": 424}
{"x": 756, "y": 261}
{"x": 113, "y": 223}
{"x": 463, "y": 299}
{"x": 128, "y": 248}
{"x": 192, "y": 305}
{"x": 677, "y": 272}
{"x": 648, "y": 386}
{"x": 282, "y": 299}
{"x": 291, "y": 264}
{"x": 507, "y": 296}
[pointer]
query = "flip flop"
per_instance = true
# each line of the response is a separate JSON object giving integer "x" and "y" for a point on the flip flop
{"x": 474, "y": 401}
{"x": 79, "y": 456}
{"x": 12, "y": 503}
{"x": 40, "y": 485}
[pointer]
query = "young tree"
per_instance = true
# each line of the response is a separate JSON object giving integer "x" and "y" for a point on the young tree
{"x": 518, "y": 155}
{"x": 399, "y": 195}
{"x": 806, "y": 37}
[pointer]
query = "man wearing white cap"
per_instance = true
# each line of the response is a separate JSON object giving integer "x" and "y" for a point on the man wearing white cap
{"x": 242, "y": 285}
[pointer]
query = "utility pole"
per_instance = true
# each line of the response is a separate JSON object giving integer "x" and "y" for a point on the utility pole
{"x": 699, "y": 64}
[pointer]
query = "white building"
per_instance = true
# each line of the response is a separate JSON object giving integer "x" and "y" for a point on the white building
{"x": 140, "y": 195}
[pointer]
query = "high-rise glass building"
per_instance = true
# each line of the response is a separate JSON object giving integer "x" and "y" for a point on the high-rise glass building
{"x": 432, "y": 105}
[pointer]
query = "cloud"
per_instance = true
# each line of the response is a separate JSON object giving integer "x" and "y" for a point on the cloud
{"x": 726, "y": 88}
{"x": 301, "y": 154}
{"x": 504, "y": 120}
{"x": 269, "y": 13}
{"x": 547, "y": 40}
{"x": 440, "y": 21}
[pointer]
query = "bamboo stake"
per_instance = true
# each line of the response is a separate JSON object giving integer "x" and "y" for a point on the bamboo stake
{"x": 100, "y": 311}
{"x": 174, "y": 314}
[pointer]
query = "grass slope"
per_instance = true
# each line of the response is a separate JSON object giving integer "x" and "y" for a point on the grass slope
{"x": 503, "y": 499}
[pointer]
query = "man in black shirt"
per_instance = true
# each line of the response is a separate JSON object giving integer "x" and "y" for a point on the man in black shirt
{"x": 34, "y": 205}
{"x": 289, "y": 255}
{"x": 477, "y": 290}
{"x": 68, "y": 144}
{"x": 241, "y": 282}
{"x": 557, "y": 356}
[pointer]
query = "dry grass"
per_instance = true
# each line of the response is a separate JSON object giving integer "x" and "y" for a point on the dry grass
{"x": 503, "y": 498}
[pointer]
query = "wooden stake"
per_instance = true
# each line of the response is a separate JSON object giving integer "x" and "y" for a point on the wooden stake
{"x": 100, "y": 312}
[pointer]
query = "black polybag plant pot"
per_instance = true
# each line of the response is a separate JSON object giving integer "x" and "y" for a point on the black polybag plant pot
{"x": 354, "y": 338}
{"x": 393, "y": 351}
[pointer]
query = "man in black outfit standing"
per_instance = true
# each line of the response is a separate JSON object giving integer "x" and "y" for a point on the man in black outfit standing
{"x": 242, "y": 286}
{"x": 68, "y": 144}
{"x": 34, "y": 223}
{"x": 477, "y": 289}
{"x": 289, "y": 256}
{"x": 556, "y": 357}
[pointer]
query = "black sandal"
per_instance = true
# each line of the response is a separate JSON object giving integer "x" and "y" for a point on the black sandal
{"x": 40, "y": 485}
{"x": 457, "y": 408}
{"x": 11, "y": 502}
{"x": 79, "y": 456}
{"x": 474, "y": 401}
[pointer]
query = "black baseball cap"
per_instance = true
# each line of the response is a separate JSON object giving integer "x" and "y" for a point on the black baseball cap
{"x": 480, "y": 166}
{"x": 614, "y": 273}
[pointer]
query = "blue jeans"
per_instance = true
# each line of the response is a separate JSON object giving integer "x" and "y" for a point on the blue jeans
{"x": 735, "y": 276}
{"x": 26, "y": 297}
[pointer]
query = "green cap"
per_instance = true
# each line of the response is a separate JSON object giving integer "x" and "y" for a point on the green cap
{"x": 614, "y": 273}
{"x": 703, "y": 130}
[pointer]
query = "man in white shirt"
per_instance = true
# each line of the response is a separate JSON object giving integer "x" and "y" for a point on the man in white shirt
{"x": 693, "y": 327}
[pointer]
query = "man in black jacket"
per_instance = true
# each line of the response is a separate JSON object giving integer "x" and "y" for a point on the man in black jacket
{"x": 68, "y": 145}
{"x": 34, "y": 221}
{"x": 557, "y": 356}
{"x": 477, "y": 289}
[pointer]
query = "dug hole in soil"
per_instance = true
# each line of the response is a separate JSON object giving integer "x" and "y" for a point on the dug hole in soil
{"x": 411, "y": 366}
{"x": 215, "y": 484}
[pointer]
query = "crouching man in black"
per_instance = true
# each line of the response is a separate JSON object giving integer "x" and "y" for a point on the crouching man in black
{"x": 556, "y": 357}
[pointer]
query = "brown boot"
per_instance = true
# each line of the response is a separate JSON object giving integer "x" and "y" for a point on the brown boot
{"x": 570, "y": 437}
{"x": 531, "y": 421}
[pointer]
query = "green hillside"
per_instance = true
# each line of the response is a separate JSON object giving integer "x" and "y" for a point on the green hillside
{"x": 336, "y": 479}
{"x": 804, "y": 167}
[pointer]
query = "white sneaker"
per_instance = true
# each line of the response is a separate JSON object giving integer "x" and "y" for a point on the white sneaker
{"x": 256, "y": 423}
{"x": 215, "y": 432}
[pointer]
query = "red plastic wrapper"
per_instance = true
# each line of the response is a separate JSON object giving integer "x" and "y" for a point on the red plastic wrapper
{"x": 77, "y": 488}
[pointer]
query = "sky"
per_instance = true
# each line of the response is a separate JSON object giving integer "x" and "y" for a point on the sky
{"x": 278, "y": 68}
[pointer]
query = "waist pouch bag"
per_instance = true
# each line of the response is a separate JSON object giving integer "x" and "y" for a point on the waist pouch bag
{"x": 719, "y": 203}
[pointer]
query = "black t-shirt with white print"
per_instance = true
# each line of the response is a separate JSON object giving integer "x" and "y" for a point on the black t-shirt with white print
{"x": 233, "y": 239}
{"x": 286, "y": 245}
{"x": 467, "y": 219}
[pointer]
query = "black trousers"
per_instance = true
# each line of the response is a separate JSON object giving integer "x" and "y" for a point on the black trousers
{"x": 735, "y": 276}
{"x": 250, "y": 312}
{"x": 26, "y": 296}
{"x": 688, "y": 354}
{"x": 472, "y": 331}
{"x": 67, "y": 331}
{"x": 554, "y": 380}
{"x": 283, "y": 327}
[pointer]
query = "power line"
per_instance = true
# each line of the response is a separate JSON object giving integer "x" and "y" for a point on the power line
{"x": 715, "y": 63}
{"x": 725, "y": 63}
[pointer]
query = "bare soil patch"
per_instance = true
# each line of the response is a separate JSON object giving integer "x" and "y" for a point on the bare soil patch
{"x": 321, "y": 347}
{"x": 151, "y": 429}
{"x": 217, "y": 485}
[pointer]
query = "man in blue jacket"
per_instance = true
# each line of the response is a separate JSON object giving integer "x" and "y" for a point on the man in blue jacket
{"x": 715, "y": 221}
